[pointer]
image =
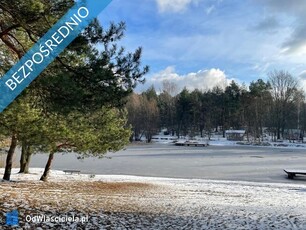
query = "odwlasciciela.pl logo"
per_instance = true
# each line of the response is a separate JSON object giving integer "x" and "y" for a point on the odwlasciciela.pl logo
{"x": 11, "y": 218}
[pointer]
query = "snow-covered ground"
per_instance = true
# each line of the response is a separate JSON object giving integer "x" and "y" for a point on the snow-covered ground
{"x": 131, "y": 202}
{"x": 218, "y": 140}
{"x": 283, "y": 144}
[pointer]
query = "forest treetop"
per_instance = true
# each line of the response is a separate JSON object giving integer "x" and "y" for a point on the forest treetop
{"x": 277, "y": 105}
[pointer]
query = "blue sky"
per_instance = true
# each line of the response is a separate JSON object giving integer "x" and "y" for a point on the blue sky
{"x": 203, "y": 43}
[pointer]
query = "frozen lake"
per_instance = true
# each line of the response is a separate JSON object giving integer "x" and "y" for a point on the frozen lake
{"x": 258, "y": 164}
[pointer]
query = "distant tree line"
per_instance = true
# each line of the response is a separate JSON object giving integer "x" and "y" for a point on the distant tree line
{"x": 277, "y": 104}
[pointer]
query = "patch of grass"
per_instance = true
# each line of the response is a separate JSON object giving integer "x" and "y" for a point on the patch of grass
{"x": 81, "y": 196}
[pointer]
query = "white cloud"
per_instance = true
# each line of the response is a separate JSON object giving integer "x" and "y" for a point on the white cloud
{"x": 302, "y": 75}
{"x": 297, "y": 42}
{"x": 296, "y": 7}
{"x": 295, "y": 11}
{"x": 202, "y": 80}
{"x": 210, "y": 9}
{"x": 268, "y": 24}
{"x": 174, "y": 5}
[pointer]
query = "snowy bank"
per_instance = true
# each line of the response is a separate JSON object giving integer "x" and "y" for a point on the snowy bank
{"x": 119, "y": 201}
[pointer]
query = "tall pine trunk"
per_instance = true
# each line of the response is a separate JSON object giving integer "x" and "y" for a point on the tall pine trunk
{"x": 28, "y": 159}
{"x": 23, "y": 158}
{"x": 26, "y": 153}
{"x": 45, "y": 175}
{"x": 9, "y": 158}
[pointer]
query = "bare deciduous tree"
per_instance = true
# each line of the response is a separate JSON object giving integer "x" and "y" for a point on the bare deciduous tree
{"x": 143, "y": 115}
{"x": 283, "y": 90}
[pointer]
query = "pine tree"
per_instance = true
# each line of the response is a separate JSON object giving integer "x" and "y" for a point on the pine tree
{"x": 83, "y": 79}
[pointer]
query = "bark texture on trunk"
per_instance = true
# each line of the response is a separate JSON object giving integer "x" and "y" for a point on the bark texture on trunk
{"x": 9, "y": 158}
{"x": 26, "y": 153}
{"x": 45, "y": 175}
{"x": 22, "y": 158}
{"x": 28, "y": 159}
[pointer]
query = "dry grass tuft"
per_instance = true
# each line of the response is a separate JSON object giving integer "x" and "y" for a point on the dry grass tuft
{"x": 65, "y": 196}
